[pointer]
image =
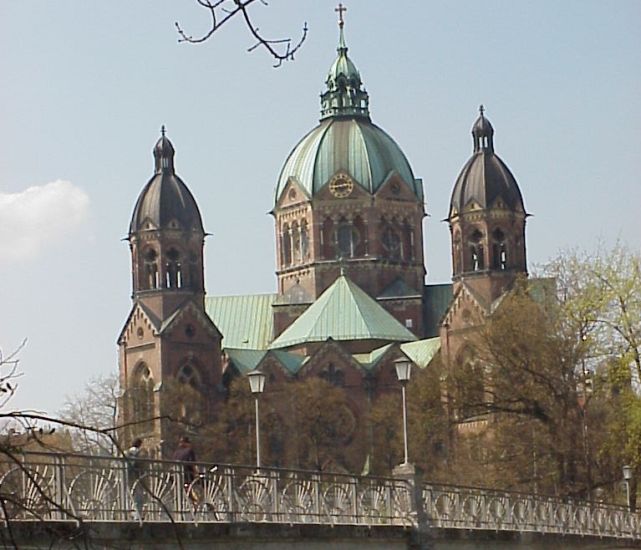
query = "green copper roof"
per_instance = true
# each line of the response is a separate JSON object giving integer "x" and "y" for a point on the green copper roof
{"x": 370, "y": 360}
{"x": 343, "y": 312}
{"x": 422, "y": 351}
{"x": 351, "y": 145}
{"x": 437, "y": 300}
{"x": 244, "y": 321}
{"x": 344, "y": 95}
{"x": 291, "y": 361}
{"x": 245, "y": 360}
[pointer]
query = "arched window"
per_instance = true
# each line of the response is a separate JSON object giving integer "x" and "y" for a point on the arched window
{"x": 346, "y": 239}
{"x": 189, "y": 399}
{"x": 143, "y": 393}
{"x": 477, "y": 259}
{"x": 193, "y": 275}
{"x": 456, "y": 252}
{"x": 188, "y": 375}
{"x": 304, "y": 241}
{"x": 327, "y": 239}
{"x": 408, "y": 239}
{"x": 392, "y": 243}
{"x": 150, "y": 275}
{"x": 499, "y": 250}
{"x": 286, "y": 245}
{"x": 173, "y": 271}
{"x": 471, "y": 386}
{"x": 296, "y": 251}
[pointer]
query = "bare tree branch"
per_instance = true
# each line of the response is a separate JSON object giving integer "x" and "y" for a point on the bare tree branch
{"x": 221, "y": 11}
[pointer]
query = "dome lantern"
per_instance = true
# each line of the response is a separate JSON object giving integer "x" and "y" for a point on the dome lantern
{"x": 483, "y": 133}
{"x": 344, "y": 95}
{"x": 164, "y": 154}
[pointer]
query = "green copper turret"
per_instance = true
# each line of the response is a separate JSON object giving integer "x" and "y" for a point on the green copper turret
{"x": 344, "y": 95}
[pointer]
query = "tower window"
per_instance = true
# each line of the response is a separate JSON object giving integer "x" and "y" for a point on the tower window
{"x": 150, "y": 276}
{"x": 392, "y": 243}
{"x": 296, "y": 248}
{"x": 499, "y": 250}
{"x": 173, "y": 272}
{"x": 477, "y": 260}
{"x": 346, "y": 240}
{"x": 304, "y": 241}
{"x": 286, "y": 245}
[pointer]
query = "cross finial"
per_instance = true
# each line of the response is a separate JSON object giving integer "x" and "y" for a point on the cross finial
{"x": 340, "y": 9}
{"x": 341, "y": 265}
{"x": 163, "y": 130}
{"x": 481, "y": 109}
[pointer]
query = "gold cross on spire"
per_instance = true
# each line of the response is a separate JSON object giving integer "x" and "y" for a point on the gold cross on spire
{"x": 340, "y": 9}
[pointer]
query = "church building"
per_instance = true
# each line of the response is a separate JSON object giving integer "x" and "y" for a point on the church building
{"x": 351, "y": 295}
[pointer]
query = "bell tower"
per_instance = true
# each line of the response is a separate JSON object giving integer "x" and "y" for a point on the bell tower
{"x": 166, "y": 238}
{"x": 169, "y": 349}
{"x": 487, "y": 220}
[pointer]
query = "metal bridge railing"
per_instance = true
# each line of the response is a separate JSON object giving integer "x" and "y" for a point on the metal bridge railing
{"x": 479, "y": 509}
{"x": 48, "y": 486}
{"x": 44, "y": 486}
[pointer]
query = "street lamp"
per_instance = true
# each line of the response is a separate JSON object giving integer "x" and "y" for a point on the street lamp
{"x": 403, "y": 373}
{"x": 257, "y": 385}
{"x": 627, "y": 477}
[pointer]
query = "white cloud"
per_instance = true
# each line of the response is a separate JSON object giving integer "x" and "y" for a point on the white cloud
{"x": 39, "y": 216}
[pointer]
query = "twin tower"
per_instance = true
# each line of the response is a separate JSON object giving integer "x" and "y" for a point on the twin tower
{"x": 347, "y": 207}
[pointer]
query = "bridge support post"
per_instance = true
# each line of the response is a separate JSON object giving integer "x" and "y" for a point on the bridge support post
{"x": 421, "y": 538}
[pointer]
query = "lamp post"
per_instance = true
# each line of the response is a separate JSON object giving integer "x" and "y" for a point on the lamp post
{"x": 627, "y": 477}
{"x": 403, "y": 373}
{"x": 257, "y": 385}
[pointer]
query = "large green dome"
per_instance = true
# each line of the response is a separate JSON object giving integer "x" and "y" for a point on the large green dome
{"x": 349, "y": 144}
{"x": 346, "y": 140}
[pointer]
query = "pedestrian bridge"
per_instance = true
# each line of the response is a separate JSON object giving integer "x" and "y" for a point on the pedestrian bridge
{"x": 67, "y": 489}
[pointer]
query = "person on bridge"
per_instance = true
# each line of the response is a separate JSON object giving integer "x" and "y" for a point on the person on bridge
{"x": 185, "y": 453}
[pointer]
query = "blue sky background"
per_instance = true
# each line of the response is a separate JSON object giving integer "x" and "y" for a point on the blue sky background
{"x": 87, "y": 85}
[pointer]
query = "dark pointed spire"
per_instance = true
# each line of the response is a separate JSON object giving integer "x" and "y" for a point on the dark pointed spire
{"x": 483, "y": 133}
{"x": 164, "y": 153}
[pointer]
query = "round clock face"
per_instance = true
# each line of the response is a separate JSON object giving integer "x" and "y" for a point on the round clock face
{"x": 341, "y": 186}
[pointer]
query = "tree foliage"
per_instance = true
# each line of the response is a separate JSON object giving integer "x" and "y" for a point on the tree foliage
{"x": 557, "y": 411}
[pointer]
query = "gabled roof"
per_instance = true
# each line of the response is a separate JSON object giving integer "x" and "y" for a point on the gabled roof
{"x": 180, "y": 311}
{"x": 244, "y": 321}
{"x": 422, "y": 352}
{"x": 343, "y": 312}
{"x": 370, "y": 360}
{"x": 245, "y": 360}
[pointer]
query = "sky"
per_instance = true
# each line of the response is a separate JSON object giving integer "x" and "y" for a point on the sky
{"x": 86, "y": 86}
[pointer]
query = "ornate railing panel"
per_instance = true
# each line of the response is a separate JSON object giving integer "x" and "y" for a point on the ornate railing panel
{"x": 45, "y": 486}
{"x": 55, "y": 486}
{"x": 468, "y": 508}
